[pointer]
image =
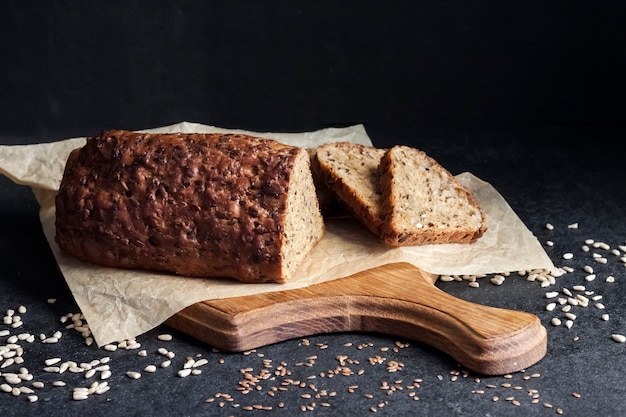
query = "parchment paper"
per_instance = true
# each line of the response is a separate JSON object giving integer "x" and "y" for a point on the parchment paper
{"x": 122, "y": 304}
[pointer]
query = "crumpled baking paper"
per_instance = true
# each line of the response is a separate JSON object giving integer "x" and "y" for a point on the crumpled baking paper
{"x": 122, "y": 304}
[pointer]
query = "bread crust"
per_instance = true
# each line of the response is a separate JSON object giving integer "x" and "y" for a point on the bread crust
{"x": 202, "y": 205}
{"x": 395, "y": 231}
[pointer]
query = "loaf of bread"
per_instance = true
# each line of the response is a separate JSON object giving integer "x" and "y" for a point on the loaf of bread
{"x": 203, "y": 205}
{"x": 400, "y": 194}
{"x": 422, "y": 202}
{"x": 350, "y": 172}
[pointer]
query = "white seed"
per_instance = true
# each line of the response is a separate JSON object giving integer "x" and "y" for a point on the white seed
{"x": 570, "y": 316}
{"x": 582, "y": 298}
{"x": 567, "y": 292}
{"x": 549, "y": 243}
{"x": 133, "y": 346}
{"x": 80, "y": 395}
{"x": 569, "y": 323}
{"x": 551, "y": 306}
{"x": 572, "y": 226}
{"x": 52, "y": 361}
{"x": 165, "y": 337}
{"x": 102, "y": 389}
{"x": 601, "y": 260}
{"x": 555, "y": 321}
{"x": 166, "y": 363}
{"x": 590, "y": 277}
{"x": 143, "y": 353}
{"x": 600, "y": 306}
{"x": 133, "y": 374}
{"x": 25, "y": 376}
{"x": 552, "y": 294}
{"x": 38, "y": 384}
{"x": 497, "y": 280}
{"x": 59, "y": 383}
{"x": 474, "y": 284}
{"x": 4, "y": 333}
{"x": 619, "y": 338}
{"x": 549, "y": 226}
{"x": 605, "y": 317}
{"x": 184, "y": 372}
{"x": 610, "y": 279}
{"x": 8, "y": 362}
{"x": 90, "y": 373}
{"x": 5, "y": 388}
{"x": 106, "y": 374}
{"x": 578, "y": 288}
{"x": 568, "y": 255}
{"x": 200, "y": 362}
{"x": 150, "y": 368}
{"x": 32, "y": 398}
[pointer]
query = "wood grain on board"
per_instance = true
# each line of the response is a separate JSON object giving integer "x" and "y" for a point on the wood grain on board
{"x": 395, "y": 299}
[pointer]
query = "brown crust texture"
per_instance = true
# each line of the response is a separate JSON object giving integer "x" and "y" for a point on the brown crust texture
{"x": 422, "y": 203}
{"x": 202, "y": 205}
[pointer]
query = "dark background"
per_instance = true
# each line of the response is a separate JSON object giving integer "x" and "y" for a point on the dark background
{"x": 72, "y": 68}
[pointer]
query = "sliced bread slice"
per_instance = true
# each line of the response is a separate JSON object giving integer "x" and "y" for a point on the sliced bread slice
{"x": 350, "y": 171}
{"x": 422, "y": 203}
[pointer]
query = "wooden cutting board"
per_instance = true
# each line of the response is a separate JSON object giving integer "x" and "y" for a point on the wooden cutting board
{"x": 396, "y": 299}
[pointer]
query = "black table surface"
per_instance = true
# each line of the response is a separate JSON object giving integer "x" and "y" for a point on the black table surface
{"x": 567, "y": 176}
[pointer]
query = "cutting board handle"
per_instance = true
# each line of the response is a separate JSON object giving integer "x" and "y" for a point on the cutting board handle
{"x": 396, "y": 299}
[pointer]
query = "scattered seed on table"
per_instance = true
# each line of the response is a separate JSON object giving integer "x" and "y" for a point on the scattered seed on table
{"x": 165, "y": 337}
{"x": 568, "y": 255}
{"x": 133, "y": 374}
{"x": 619, "y": 338}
